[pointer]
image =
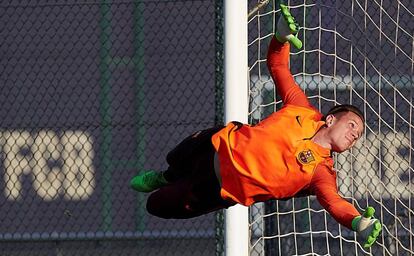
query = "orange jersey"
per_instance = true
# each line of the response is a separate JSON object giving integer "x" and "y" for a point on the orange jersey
{"x": 276, "y": 159}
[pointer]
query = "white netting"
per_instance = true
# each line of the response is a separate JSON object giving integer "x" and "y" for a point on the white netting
{"x": 358, "y": 52}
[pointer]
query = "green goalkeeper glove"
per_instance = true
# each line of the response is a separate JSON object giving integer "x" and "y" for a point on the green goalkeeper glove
{"x": 287, "y": 28}
{"x": 368, "y": 228}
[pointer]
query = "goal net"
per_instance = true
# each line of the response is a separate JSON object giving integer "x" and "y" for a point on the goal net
{"x": 358, "y": 52}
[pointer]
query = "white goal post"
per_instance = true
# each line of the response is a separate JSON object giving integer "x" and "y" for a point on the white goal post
{"x": 236, "y": 109}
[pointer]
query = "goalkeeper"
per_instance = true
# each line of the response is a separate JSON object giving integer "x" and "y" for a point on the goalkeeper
{"x": 289, "y": 154}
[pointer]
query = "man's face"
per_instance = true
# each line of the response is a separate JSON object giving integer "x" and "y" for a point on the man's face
{"x": 344, "y": 129}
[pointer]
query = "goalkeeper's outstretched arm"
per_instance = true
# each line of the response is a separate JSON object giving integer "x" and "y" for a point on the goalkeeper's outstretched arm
{"x": 323, "y": 185}
{"x": 278, "y": 60}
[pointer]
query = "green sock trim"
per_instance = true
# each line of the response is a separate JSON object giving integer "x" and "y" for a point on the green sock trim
{"x": 163, "y": 179}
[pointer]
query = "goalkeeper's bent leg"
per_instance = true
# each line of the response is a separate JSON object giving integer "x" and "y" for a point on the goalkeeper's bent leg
{"x": 188, "y": 198}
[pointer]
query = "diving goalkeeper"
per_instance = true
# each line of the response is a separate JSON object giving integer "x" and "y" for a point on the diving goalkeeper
{"x": 289, "y": 154}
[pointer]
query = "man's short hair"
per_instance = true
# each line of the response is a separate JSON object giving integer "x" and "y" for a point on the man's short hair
{"x": 345, "y": 108}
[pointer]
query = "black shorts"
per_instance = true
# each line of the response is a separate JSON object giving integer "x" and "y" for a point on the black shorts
{"x": 193, "y": 155}
{"x": 194, "y": 188}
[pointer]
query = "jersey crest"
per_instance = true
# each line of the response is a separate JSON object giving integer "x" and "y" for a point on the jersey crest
{"x": 306, "y": 156}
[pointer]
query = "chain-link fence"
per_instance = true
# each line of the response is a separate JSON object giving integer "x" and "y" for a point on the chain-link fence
{"x": 92, "y": 93}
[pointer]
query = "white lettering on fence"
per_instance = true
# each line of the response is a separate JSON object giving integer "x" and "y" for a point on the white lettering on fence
{"x": 60, "y": 164}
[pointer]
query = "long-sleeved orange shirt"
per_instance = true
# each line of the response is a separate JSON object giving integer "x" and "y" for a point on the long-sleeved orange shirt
{"x": 276, "y": 159}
